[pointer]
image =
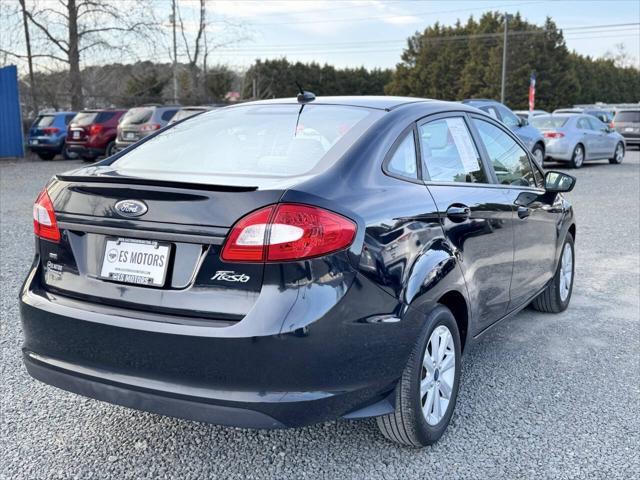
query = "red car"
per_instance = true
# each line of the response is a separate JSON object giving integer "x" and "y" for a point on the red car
{"x": 92, "y": 133}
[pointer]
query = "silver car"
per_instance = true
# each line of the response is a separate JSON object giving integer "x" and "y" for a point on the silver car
{"x": 579, "y": 138}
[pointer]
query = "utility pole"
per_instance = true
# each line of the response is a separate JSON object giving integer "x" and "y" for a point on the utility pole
{"x": 175, "y": 53}
{"x": 507, "y": 17}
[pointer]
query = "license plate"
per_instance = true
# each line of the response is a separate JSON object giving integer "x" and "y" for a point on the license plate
{"x": 130, "y": 136}
{"x": 629, "y": 129}
{"x": 33, "y": 142}
{"x": 141, "y": 262}
{"x": 76, "y": 134}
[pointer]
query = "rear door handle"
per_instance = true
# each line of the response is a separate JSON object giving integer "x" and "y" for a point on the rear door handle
{"x": 523, "y": 212}
{"x": 458, "y": 213}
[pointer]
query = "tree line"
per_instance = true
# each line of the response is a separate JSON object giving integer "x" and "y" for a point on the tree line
{"x": 465, "y": 61}
{"x": 445, "y": 62}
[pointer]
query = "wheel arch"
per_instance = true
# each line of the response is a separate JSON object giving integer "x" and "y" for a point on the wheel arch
{"x": 456, "y": 302}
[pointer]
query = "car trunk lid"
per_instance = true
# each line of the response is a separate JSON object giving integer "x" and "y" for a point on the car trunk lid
{"x": 185, "y": 223}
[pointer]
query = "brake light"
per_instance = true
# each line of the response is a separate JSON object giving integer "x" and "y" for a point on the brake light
{"x": 44, "y": 218}
{"x": 287, "y": 231}
{"x": 553, "y": 134}
{"x": 150, "y": 127}
{"x": 95, "y": 129}
{"x": 50, "y": 130}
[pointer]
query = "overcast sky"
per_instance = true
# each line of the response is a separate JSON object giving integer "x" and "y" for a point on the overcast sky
{"x": 373, "y": 33}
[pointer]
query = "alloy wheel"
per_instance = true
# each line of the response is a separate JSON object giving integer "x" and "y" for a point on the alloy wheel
{"x": 537, "y": 153}
{"x": 578, "y": 157}
{"x": 566, "y": 271}
{"x": 438, "y": 375}
{"x": 619, "y": 153}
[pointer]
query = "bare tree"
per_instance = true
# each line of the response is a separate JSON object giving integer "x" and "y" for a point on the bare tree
{"x": 193, "y": 51}
{"x": 27, "y": 41}
{"x": 621, "y": 57}
{"x": 196, "y": 44}
{"x": 73, "y": 28}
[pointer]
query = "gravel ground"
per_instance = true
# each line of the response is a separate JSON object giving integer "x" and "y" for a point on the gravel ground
{"x": 542, "y": 396}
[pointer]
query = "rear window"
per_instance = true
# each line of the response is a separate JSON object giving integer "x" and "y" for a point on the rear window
{"x": 84, "y": 118}
{"x": 137, "y": 116}
{"x": 104, "y": 117}
{"x": 44, "y": 121}
{"x": 254, "y": 140}
{"x": 632, "y": 116}
{"x": 548, "y": 122}
{"x": 168, "y": 115}
{"x": 186, "y": 113}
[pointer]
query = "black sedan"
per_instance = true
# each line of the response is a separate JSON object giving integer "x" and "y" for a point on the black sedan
{"x": 280, "y": 263}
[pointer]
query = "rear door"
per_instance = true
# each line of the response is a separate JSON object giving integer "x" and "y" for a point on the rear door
{"x": 534, "y": 221}
{"x": 606, "y": 142}
{"x": 588, "y": 137}
{"x": 477, "y": 216}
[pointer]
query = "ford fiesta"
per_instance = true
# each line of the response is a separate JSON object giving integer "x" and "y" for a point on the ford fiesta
{"x": 280, "y": 263}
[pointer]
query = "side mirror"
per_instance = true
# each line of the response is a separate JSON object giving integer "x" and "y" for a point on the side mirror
{"x": 523, "y": 122}
{"x": 555, "y": 182}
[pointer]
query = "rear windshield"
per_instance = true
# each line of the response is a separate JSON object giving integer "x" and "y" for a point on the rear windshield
{"x": 628, "y": 116}
{"x": 137, "y": 116}
{"x": 548, "y": 122}
{"x": 44, "y": 121}
{"x": 84, "y": 118}
{"x": 254, "y": 140}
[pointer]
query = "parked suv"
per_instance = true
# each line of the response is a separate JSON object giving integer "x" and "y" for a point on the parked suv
{"x": 92, "y": 133}
{"x": 530, "y": 135}
{"x": 187, "y": 112}
{"x": 47, "y": 134}
{"x": 139, "y": 122}
{"x": 627, "y": 123}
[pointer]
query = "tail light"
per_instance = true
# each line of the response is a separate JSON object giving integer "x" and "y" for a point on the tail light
{"x": 50, "y": 130}
{"x": 287, "y": 231}
{"x": 612, "y": 125}
{"x": 150, "y": 127}
{"x": 553, "y": 134}
{"x": 95, "y": 129}
{"x": 44, "y": 218}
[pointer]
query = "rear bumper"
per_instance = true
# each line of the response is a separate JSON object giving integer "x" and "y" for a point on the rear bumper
{"x": 85, "y": 150}
{"x": 48, "y": 370}
{"x": 559, "y": 149}
{"x": 45, "y": 145}
{"x": 337, "y": 367}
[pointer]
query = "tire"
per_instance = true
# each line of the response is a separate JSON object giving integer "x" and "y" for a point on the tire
{"x": 46, "y": 155}
{"x": 538, "y": 154}
{"x": 555, "y": 298}
{"x": 618, "y": 154}
{"x": 407, "y": 425}
{"x": 88, "y": 158}
{"x": 110, "y": 150}
{"x": 577, "y": 159}
{"x": 68, "y": 155}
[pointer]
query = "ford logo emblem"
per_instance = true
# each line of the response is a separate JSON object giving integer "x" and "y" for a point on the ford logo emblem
{"x": 130, "y": 208}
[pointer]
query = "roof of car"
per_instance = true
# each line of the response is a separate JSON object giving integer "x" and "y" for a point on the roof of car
{"x": 381, "y": 102}
{"x": 57, "y": 113}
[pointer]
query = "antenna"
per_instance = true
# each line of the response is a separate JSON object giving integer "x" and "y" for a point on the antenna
{"x": 304, "y": 96}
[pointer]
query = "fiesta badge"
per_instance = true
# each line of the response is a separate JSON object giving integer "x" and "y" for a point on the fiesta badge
{"x": 130, "y": 208}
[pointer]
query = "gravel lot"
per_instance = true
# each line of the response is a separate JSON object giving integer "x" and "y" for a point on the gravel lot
{"x": 542, "y": 396}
